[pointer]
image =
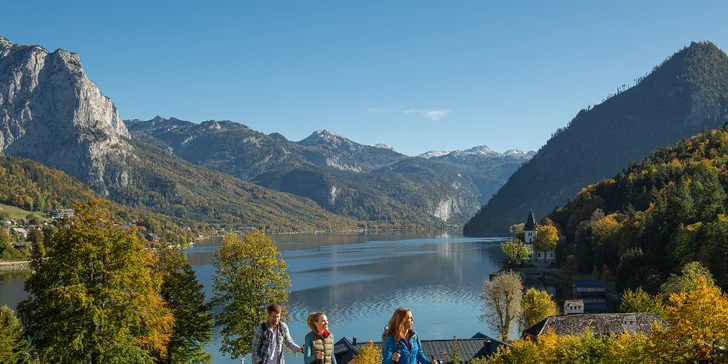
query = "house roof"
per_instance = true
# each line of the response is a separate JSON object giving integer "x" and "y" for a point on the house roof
{"x": 530, "y": 222}
{"x": 344, "y": 350}
{"x": 590, "y": 283}
{"x": 478, "y": 346}
{"x": 599, "y": 323}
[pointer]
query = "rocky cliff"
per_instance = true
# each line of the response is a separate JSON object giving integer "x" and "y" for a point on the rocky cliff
{"x": 51, "y": 112}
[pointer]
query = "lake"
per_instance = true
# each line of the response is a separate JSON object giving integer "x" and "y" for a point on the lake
{"x": 359, "y": 280}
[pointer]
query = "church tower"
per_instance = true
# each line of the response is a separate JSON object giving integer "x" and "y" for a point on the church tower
{"x": 529, "y": 232}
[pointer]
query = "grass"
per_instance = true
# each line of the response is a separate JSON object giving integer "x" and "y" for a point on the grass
{"x": 17, "y": 213}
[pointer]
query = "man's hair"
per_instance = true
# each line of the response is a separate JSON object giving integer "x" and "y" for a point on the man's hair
{"x": 274, "y": 308}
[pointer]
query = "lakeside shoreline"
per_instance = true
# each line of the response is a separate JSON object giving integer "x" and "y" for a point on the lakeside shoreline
{"x": 14, "y": 266}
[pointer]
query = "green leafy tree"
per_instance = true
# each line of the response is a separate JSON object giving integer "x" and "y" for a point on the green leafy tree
{"x": 502, "y": 297}
{"x": 547, "y": 236}
{"x": 250, "y": 275}
{"x": 686, "y": 281}
{"x": 192, "y": 315}
{"x": 12, "y": 343}
{"x": 516, "y": 252}
{"x": 95, "y": 298}
{"x": 640, "y": 301}
{"x": 537, "y": 305}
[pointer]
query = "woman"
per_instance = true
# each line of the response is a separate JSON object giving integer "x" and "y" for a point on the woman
{"x": 402, "y": 346}
{"x": 319, "y": 343}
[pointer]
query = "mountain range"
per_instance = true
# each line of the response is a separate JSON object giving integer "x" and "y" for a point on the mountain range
{"x": 687, "y": 93}
{"x": 52, "y": 113}
{"x": 223, "y": 171}
{"x": 370, "y": 183}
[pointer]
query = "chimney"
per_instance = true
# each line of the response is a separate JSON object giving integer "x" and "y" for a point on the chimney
{"x": 353, "y": 340}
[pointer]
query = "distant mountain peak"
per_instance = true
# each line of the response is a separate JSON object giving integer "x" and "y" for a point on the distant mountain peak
{"x": 325, "y": 137}
{"x": 483, "y": 150}
{"x": 433, "y": 154}
{"x": 384, "y": 146}
{"x": 479, "y": 151}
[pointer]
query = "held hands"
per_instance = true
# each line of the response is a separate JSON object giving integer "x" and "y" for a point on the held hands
{"x": 395, "y": 356}
{"x": 301, "y": 349}
{"x": 319, "y": 355}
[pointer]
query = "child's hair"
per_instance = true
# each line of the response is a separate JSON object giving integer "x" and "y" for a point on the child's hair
{"x": 313, "y": 318}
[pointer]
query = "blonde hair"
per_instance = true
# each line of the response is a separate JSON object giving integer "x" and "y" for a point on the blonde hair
{"x": 396, "y": 323}
{"x": 313, "y": 318}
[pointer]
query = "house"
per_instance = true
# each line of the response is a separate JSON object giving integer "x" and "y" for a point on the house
{"x": 598, "y": 323}
{"x": 573, "y": 306}
{"x": 60, "y": 213}
{"x": 20, "y": 232}
{"x": 478, "y": 346}
{"x": 23, "y": 245}
{"x": 544, "y": 257}
{"x": 7, "y": 221}
{"x": 593, "y": 292}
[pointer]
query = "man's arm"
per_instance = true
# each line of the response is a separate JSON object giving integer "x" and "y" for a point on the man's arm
{"x": 257, "y": 336}
{"x": 289, "y": 341}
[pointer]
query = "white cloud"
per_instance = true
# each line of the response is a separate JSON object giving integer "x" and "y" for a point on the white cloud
{"x": 436, "y": 114}
{"x": 430, "y": 114}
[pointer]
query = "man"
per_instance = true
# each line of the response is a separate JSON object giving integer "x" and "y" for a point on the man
{"x": 268, "y": 340}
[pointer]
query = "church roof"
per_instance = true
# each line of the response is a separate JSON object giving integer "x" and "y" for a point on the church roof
{"x": 530, "y": 222}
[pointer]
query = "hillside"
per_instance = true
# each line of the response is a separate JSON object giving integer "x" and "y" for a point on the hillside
{"x": 369, "y": 183}
{"x": 27, "y": 185}
{"x": 679, "y": 98}
{"x": 656, "y": 215}
{"x": 51, "y": 112}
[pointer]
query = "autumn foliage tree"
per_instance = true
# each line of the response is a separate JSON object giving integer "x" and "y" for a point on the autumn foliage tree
{"x": 697, "y": 332}
{"x": 250, "y": 275}
{"x": 547, "y": 236}
{"x": 94, "y": 298}
{"x": 502, "y": 297}
{"x": 369, "y": 354}
{"x": 698, "y": 325}
{"x": 537, "y": 305}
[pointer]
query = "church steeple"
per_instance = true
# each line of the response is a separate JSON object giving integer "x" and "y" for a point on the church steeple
{"x": 530, "y": 222}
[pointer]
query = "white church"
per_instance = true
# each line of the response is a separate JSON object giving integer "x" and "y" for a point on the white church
{"x": 529, "y": 235}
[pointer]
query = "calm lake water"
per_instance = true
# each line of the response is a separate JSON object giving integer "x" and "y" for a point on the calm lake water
{"x": 359, "y": 280}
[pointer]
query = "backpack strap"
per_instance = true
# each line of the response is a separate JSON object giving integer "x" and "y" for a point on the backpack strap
{"x": 264, "y": 333}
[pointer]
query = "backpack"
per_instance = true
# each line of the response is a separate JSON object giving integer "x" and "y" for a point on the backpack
{"x": 266, "y": 336}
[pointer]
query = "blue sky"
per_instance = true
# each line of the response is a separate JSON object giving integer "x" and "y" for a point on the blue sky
{"x": 416, "y": 75}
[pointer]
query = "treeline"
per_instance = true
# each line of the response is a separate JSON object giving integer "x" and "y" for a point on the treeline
{"x": 30, "y": 185}
{"x": 655, "y": 216}
{"x": 98, "y": 293}
{"x": 685, "y": 94}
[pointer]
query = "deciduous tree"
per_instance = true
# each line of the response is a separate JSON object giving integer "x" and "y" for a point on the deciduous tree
{"x": 502, "y": 297}
{"x": 686, "y": 281}
{"x": 537, "y": 305}
{"x": 641, "y": 301}
{"x": 547, "y": 236}
{"x": 516, "y": 252}
{"x": 95, "y": 298}
{"x": 369, "y": 354}
{"x": 250, "y": 275}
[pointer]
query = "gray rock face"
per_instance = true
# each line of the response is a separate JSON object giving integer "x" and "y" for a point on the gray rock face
{"x": 51, "y": 112}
